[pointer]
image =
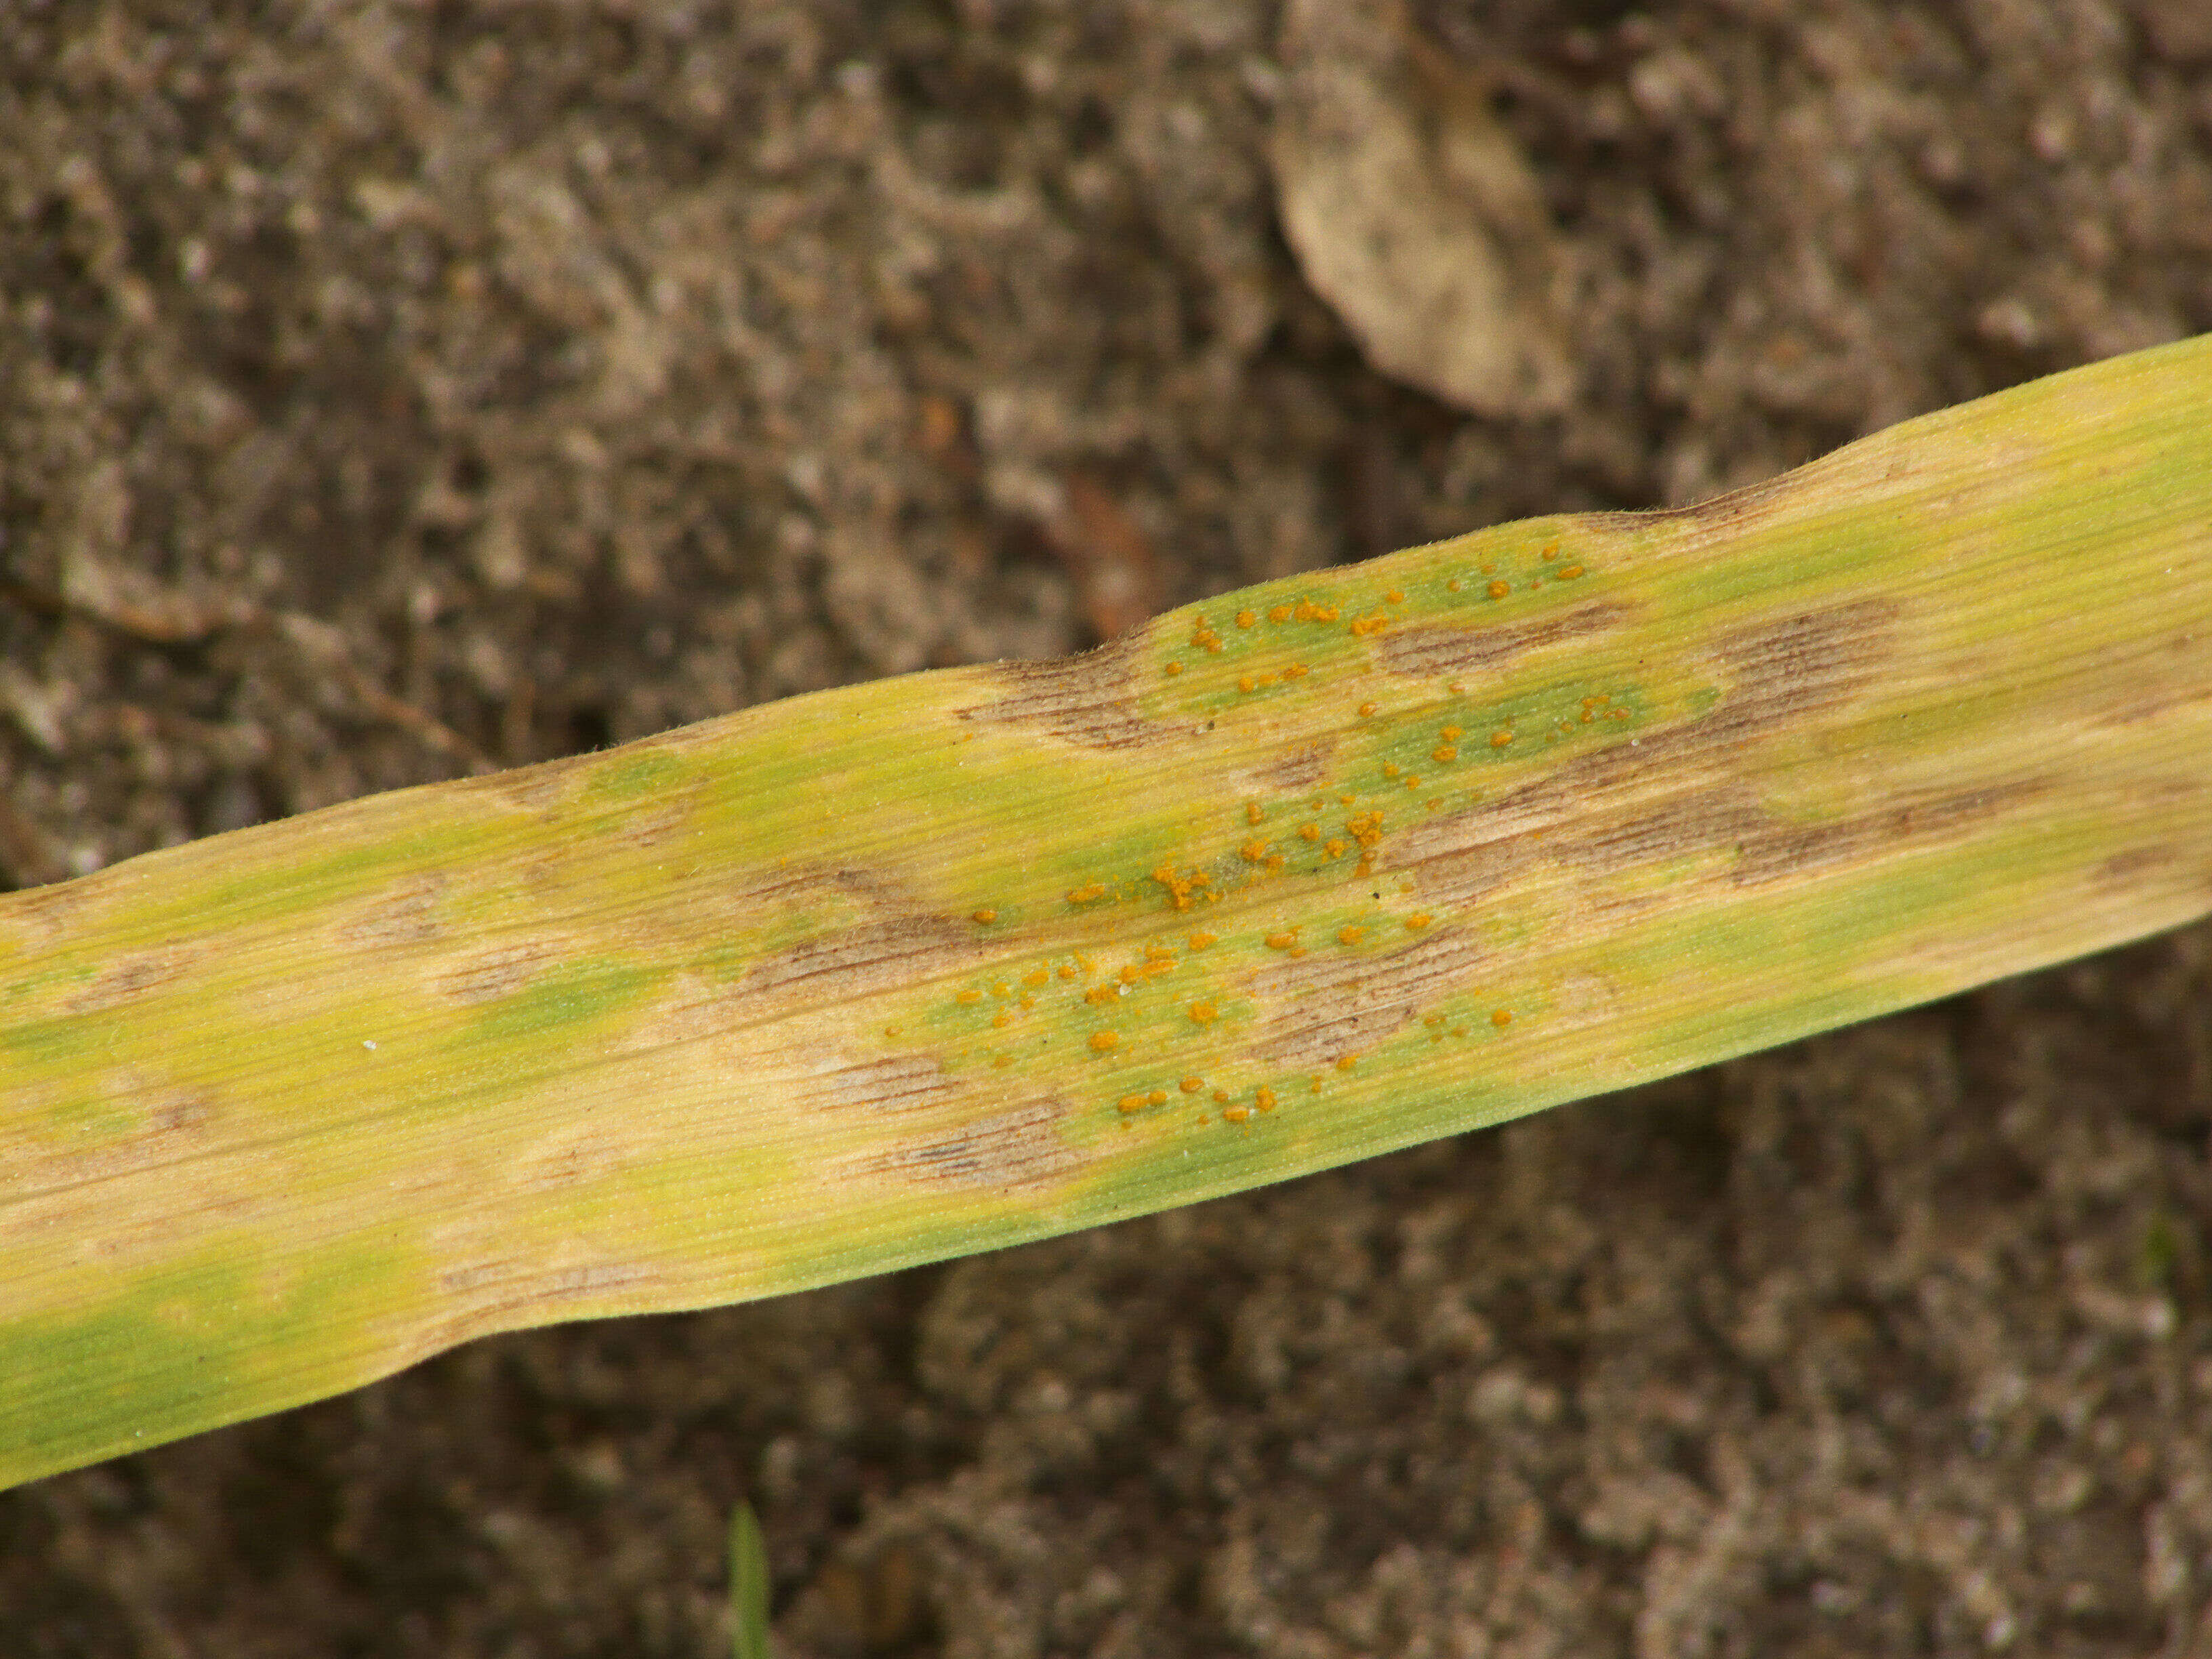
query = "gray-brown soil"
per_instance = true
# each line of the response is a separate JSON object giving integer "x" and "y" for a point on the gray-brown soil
{"x": 388, "y": 389}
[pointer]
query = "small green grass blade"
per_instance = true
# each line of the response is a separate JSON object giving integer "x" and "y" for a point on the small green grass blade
{"x": 749, "y": 1585}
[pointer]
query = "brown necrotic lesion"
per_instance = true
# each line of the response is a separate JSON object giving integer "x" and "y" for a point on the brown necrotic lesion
{"x": 1428, "y": 650}
{"x": 1019, "y": 1148}
{"x": 1324, "y": 1006}
{"x": 1089, "y": 700}
{"x": 884, "y": 1083}
{"x": 123, "y": 982}
{"x": 862, "y": 960}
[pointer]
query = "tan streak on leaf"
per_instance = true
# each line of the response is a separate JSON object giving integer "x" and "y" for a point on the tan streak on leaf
{"x": 1425, "y": 650}
{"x": 1455, "y": 876}
{"x": 1301, "y": 768}
{"x": 885, "y": 1082}
{"x": 1782, "y": 671}
{"x": 570, "y": 1156}
{"x": 790, "y": 882}
{"x": 43, "y": 913}
{"x": 536, "y": 789}
{"x": 857, "y": 962}
{"x": 400, "y": 915}
{"x": 130, "y": 979}
{"x": 2123, "y": 866}
{"x": 1328, "y": 1007}
{"x": 177, "y": 1125}
{"x": 1801, "y": 664}
{"x": 1779, "y": 673}
{"x": 1019, "y": 1148}
{"x": 1688, "y": 823}
{"x": 650, "y": 828}
{"x": 1775, "y": 852}
{"x": 2159, "y": 871}
{"x": 1734, "y": 510}
{"x": 490, "y": 975}
{"x": 1089, "y": 700}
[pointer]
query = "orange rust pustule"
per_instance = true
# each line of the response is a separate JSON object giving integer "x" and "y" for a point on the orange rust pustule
{"x": 1427, "y": 649}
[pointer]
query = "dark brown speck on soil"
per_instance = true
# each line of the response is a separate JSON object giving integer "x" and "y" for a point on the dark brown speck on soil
{"x": 390, "y": 389}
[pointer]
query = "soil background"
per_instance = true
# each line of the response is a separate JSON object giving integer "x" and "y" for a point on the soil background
{"x": 391, "y": 389}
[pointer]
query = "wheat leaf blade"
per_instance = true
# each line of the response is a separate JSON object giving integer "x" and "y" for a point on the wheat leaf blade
{"x": 928, "y": 966}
